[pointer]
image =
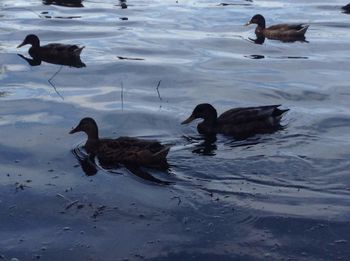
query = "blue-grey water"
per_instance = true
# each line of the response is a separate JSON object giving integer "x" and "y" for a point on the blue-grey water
{"x": 282, "y": 196}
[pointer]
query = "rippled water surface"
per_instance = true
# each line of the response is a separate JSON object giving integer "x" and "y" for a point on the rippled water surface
{"x": 283, "y": 196}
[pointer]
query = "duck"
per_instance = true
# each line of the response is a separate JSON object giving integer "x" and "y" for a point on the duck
{"x": 51, "y": 51}
{"x": 67, "y": 3}
{"x": 278, "y": 31}
{"x": 129, "y": 151}
{"x": 346, "y": 8}
{"x": 238, "y": 122}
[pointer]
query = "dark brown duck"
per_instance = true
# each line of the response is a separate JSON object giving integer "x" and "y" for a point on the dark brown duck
{"x": 238, "y": 122}
{"x": 63, "y": 51}
{"x": 278, "y": 31}
{"x": 67, "y": 3}
{"x": 123, "y": 150}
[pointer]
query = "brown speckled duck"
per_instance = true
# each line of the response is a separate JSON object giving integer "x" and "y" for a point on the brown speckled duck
{"x": 63, "y": 51}
{"x": 278, "y": 31}
{"x": 123, "y": 150}
{"x": 238, "y": 122}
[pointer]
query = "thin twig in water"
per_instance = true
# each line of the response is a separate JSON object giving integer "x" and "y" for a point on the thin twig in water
{"x": 122, "y": 95}
{"x": 71, "y": 204}
{"x": 157, "y": 88}
{"x": 128, "y": 58}
{"x": 54, "y": 87}
{"x": 61, "y": 196}
{"x": 179, "y": 200}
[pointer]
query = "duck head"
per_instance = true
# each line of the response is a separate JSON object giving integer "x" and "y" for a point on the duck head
{"x": 31, "y": 39}
{"x": 202, "y": 111}
{"x": 87, "y": 125}
{"x": 257, "y": 19}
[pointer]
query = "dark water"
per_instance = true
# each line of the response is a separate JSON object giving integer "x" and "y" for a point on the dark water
{"x": 283, "y": 196}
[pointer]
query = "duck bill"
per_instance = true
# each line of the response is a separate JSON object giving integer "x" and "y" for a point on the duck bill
{"x": 76, "y": 129}
{"x": 248, "y": 23}
{"x": 190, "y": 119}
{"x": 23, "y": 43}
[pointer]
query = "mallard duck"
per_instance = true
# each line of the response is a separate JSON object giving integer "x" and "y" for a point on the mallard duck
{"x": 238, "y": 122}
{"x": 346, "y": 8}
{"x": 54, "y": 50}
{"x": 278, "y": 31}
{"x": 123, "y": 150}
{"x": 68, "y": 3}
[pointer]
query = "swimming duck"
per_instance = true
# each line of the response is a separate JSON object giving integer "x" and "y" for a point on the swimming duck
{"x": 278, "y": 31}
{"x": 123, "y": 150}
{"x": 67, "y": 3}
{"x": 346, "y": 8}
{"x": 54, "y": 50}
{"x": 238, "y": 122}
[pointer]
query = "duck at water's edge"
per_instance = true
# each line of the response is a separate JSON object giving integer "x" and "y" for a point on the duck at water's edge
{"x": 238, "y": 122}
{"x": 278, "y": 31}
{"x": 123, "y": 150}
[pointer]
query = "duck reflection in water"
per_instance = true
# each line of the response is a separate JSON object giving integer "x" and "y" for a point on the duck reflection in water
{"x": 67, "y": 3}
{"x": 123, "y": 4}
{"x": 205, "y": 145}
{"x": 86, "y": 162}
{"x": 260, "y": 39}
{"x": 132, "y": 153}
{"x": 55, "y": 53}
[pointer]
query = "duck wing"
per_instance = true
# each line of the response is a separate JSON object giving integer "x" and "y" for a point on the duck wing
{"x": 280, "y": 30}
{"x": 56, "y": 49}
{"x": 244, "y": 122}
{"x": 248, "y": 114}
{"x": 127, "y": 150}
{"x": 59, "y": 54}
{"x": 296, "y": 27}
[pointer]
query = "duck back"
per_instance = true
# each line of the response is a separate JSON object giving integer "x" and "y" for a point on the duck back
{"x": 127, "y": 150}
{"x": 56, "y": 50}
{"x": 250, "y": 120}
{"x": 286, "y": 30}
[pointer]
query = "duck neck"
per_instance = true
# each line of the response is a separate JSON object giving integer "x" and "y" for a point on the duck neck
{"x": 92, "y": 134}
{"x": 34, "y": 49}
{"x": 261, "y": 26}
{"x": 35, "y": 43}
{"x": 259, "y": 29}
{"x": 209, "y": 123}
{"x": 207, "y": 127}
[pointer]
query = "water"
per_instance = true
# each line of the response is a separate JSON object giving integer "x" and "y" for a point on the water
{"x": 283, "y": 196}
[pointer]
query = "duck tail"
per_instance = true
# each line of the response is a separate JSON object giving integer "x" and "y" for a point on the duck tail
{"x": 279, "y": 112}
{"x": 277, "y": 115}
{"x": 303, "y": 30}
{"x": 161, "y": 155}
{"x": 79, "y": 50}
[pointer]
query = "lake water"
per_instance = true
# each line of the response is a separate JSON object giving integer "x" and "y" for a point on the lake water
{"x": 283, "y": 196}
